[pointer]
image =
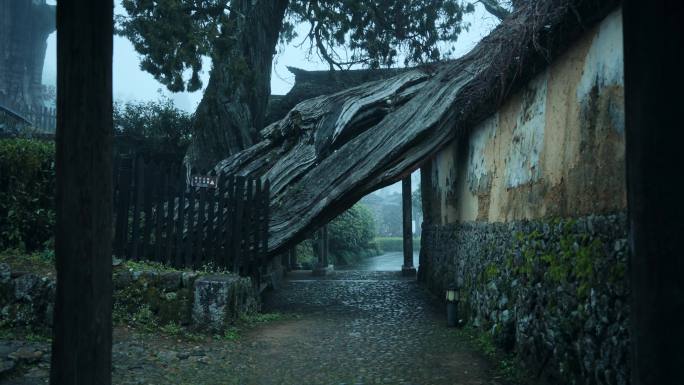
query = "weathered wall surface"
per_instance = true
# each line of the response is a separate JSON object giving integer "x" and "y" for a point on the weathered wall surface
{"x": 554, "y": 149}
{"x": 526, "y": 213}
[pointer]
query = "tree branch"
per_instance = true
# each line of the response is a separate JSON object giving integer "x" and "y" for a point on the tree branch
{"x": 493, "y": 7}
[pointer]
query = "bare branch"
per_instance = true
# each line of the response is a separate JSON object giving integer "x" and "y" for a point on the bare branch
{"x": 493, "y": 7}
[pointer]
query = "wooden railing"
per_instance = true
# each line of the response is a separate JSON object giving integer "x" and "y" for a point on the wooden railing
{"x": 158, "y": 218}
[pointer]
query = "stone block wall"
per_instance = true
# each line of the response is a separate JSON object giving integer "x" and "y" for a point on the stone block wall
{"x": 200, "y": 301}
{"x": 26, "y": 300}
{"x": 554, "y": 291}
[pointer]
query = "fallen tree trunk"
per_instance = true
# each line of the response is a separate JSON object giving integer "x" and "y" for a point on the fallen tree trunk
{"x": 330, "y": 151}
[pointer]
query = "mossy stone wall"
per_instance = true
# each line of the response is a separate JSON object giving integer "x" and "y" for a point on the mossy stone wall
{"x": 555, "y": 291}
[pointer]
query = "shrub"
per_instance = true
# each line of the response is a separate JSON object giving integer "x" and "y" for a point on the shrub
{"x": 350, "y": 238}
{"x": 151, "y": 127}
{"x": 352, "y": 231}
{"x": 27, "y": 185}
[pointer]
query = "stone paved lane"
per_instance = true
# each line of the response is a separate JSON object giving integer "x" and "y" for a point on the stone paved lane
{"x": 349, "y": 328}
{"x": 367, "y": 328}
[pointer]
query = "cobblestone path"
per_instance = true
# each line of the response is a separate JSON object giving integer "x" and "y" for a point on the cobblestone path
{"x": 350, "y": 328}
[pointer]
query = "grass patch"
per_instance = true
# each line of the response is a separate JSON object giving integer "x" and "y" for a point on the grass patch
{"x": 39, "y": 263}
{"x": 508, "y": 365}
{"x": 389, "y": 244}
{"x": 8, "y": 332}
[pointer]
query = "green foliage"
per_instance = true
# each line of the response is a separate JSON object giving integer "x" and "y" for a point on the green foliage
{"x": 376, "y": 32}
{"x": 388, "y": 244}
{"x": 350, "y": 238}
{"x": 173, "y": 35}
{"x": 153, "y": 127}
{"x": 352, "y": 230}
{"x": 509, "y": 367}
{"x": 27, "y": 185}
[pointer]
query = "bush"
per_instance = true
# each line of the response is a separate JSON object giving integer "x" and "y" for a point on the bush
{"x": 27, "y": 185}
{"x": 350, "y": 238}
{"x": 351, "y": 235}
{"x": 151, "y": 127}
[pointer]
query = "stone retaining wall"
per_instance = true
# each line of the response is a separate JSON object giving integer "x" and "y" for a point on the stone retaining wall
{"x": 210, "y": 302}
{"x": 554, "y": 291}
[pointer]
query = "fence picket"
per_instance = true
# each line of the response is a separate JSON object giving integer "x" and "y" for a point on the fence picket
{"x": 122, "y": 215}
{"x": 210, "y": 238}
{"x": 170, "y": 211}
{"x": 265, "y": 202}
{"x": 159, "y": 216}
{"x": 180, "y": 228}
{"x": 137, "y": 199}
{"x": 238, "y": 223}
{"x": 189, "y": 235}
{"x": 151, "y": 177}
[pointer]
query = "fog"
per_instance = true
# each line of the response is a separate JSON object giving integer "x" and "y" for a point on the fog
{"x": 131, "y": 83}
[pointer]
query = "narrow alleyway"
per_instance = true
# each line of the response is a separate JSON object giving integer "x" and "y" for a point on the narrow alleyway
{"x": 351, "y": 327}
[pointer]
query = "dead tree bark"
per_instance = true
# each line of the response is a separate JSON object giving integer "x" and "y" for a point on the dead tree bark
{"x": 82, "y": 332}
{"x": 330, "y": 151}
{"x": 653, "y": 100}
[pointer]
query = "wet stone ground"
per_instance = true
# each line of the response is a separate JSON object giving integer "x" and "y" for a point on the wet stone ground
{"x": 349, "y": 328}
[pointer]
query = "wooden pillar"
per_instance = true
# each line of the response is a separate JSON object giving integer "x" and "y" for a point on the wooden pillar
{"x": 653, "y": 127}
{"x": 326, "y": 247}
{"x": 321, "y": 267}
{"x": 407, "y": 269}
{"x": 82, "y": 332}
{"x": 292, "y": 255}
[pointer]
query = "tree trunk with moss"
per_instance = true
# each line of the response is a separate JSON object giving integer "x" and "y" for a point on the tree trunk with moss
{"x": 234, "y": 105}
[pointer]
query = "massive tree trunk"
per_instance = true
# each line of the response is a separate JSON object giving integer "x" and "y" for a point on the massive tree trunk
{"x": 330, "y": 151}
{"x": 82, "y": 332}
{"x": 24, "y": 28}
{"x": 653, "y": 132}
{"x": 234, "y": 104}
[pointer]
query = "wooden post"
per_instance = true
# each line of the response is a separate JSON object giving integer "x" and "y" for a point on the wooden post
{"x": 653, "y": 42}
{"x": 407, "y": 269}
{"x": 326, "y": 247}
{"x": 321, "y": 267}
{"x": 293, "y": 258}
{"x": 82, "y": 331}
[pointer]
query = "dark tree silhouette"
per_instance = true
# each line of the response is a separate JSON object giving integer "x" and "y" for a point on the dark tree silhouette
{"x": 653, "y": 101}
{"x": 82, "y": 332}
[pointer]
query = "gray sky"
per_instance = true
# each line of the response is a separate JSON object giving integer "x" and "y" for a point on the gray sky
{"x": 131, "y": 83}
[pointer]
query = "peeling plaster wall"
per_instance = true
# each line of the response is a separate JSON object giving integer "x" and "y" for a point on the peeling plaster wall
{"x": 554, "y": 149}
{"x": 527, "y": 214}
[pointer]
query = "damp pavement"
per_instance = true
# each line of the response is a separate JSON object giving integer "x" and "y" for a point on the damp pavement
{"x": 350, "y": 327}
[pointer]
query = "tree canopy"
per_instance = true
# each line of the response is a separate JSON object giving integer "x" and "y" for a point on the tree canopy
{"x": 173, "y": 35}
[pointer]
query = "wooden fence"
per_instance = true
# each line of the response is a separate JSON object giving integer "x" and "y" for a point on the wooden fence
{"x": 40, "y": 117}
{"x": 158, "y": 218}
